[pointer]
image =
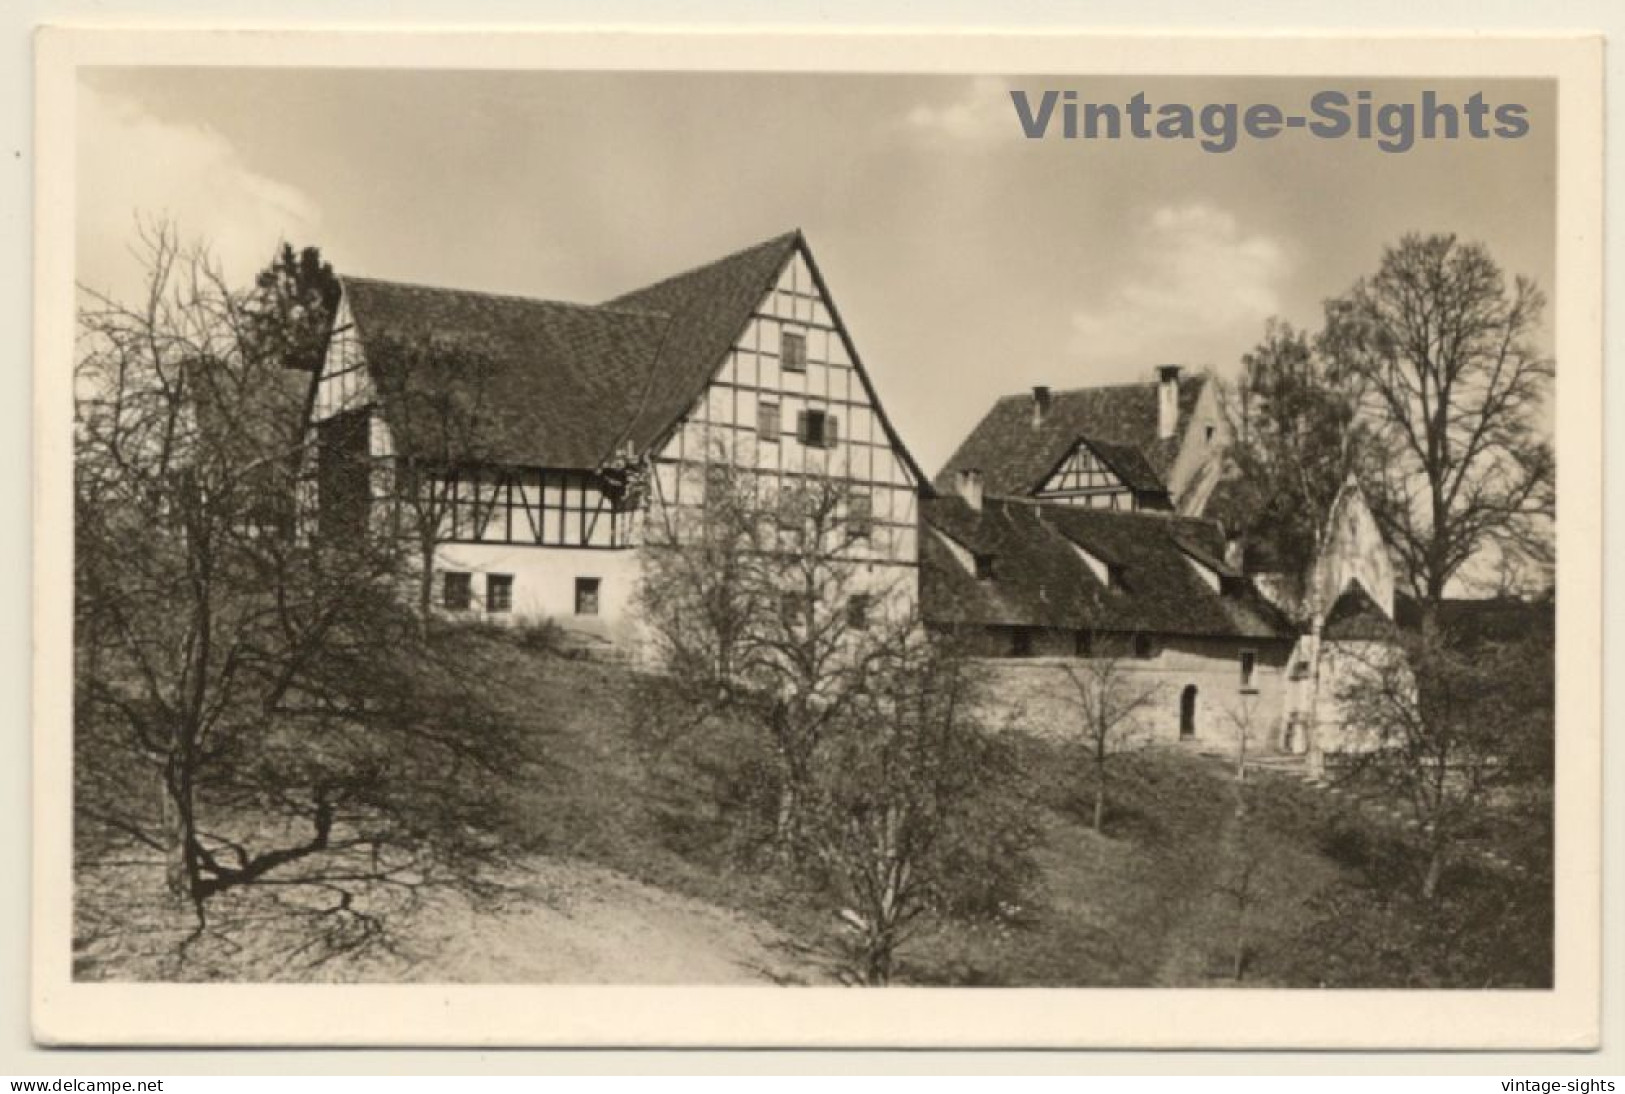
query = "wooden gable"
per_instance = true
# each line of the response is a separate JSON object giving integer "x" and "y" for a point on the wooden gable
{"x": 791, "y": 400}
{"x": 1085, "y": 479}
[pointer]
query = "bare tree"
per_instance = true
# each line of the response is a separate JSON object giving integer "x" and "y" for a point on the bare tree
{"x": 437, "y": 392}
{"x": 916, "y": 813}
{"x": 257, "y": 678}
{"x": 1240, "y": 882}
{"x": 1454, "y": 729}
{"x": 760, "y": 607}
{"x": 1108, "y": 697}
{"x": 1452, "y": 382}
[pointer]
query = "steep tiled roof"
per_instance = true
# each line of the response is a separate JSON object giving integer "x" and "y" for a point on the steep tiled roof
{"x": 1356, "y": 617}
{"x": 566, "y": 384}
{"x": 1040, "y": 578}
{"x": 558, "y": 384}
{"x": 708, "y": 306}
{"x": 1014, "y": 455}
{"x": 569, "y": 384}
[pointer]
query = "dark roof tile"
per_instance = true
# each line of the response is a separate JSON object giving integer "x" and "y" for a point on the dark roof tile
{"x": 1041, "y": 579}
{"x": 560, "y": 381}
{"x": 709, "y": 306}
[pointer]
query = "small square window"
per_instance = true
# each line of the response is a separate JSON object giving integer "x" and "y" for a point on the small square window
{"x": 587, "y": 595}
{"x": 860, "y": 515}
{"x": 1144, "y": 648}
{"x": 498, "y": 593}
{"x": 1249, "y": 663}
{"x": 793, "y": 350}
{"x": 857, "y": 611}
{"x": 984, "y": 567}
{"x": 1021, "y": 642}
{"x": 1083, "y": 644}
{"x": 767, "y": 422}
{"x": 456, "y": 591}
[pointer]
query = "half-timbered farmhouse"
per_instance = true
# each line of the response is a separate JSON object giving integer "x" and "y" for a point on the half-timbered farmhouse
{"x": 585, "y": 420}
{"x": 1149, "y": 445}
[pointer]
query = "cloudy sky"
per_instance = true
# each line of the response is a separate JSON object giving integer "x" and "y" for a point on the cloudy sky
{"x": 968, "y": 261}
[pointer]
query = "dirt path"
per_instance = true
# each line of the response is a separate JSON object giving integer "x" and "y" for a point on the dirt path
{"x": 577, "y": 923}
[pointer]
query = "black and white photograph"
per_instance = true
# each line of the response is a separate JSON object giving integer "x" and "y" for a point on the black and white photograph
{"x": 806, "y": 530}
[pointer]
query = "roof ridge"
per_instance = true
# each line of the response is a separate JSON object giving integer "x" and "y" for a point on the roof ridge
{"x": 782, "y": 237}
{"x": 516, "y": 297}
{"x": 1116, "y": 386}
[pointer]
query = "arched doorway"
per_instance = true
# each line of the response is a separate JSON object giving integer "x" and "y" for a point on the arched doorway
{"x": 1187, "y": 712}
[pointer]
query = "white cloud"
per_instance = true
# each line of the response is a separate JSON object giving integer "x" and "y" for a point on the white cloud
{"x": 133, "y": 165}
{"x": 981, "y": 114}
{"x": 1195, "y": 287}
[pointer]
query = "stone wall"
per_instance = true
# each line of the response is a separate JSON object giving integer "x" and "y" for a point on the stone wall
{"x": 1038, "y": 694}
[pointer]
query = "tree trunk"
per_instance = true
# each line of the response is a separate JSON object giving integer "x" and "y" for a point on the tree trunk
{"x": 878, "y": 960}
{"x": 177, "y": 871}
{"x": 1430, "y": 882}
{"x": 426, "y": 550}
{"x": 1314, "y": 756}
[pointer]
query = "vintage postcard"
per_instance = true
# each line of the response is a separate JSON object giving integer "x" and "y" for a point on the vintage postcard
{"x": 921, "y": 540}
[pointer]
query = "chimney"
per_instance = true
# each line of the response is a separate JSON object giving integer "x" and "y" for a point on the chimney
{"x": 1167, "y": 400}
{"x": 1041, "y": 400}
{"x": 1235, "y": 552}
{"x": 969, "y": 485}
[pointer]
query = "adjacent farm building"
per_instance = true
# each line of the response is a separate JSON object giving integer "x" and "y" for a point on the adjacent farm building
{"x": 1070, "y": 527}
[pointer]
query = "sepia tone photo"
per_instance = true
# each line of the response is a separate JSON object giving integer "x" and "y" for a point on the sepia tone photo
{"x": 814, "y": 530}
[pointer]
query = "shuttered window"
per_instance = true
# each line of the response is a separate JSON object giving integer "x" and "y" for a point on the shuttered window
{"x": 817, "y": 428}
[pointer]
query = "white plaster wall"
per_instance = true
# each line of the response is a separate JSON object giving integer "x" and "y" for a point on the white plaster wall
{"x": 1355, "y": 551}
{"x": 1036, "y": 694}
{"x": 544, "y": 582}
{"x": 1194, "y": 472}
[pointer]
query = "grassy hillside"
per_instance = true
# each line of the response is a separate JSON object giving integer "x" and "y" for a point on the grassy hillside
{"x": 1152, "y": 902}
{"x": 672, "y": 809}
